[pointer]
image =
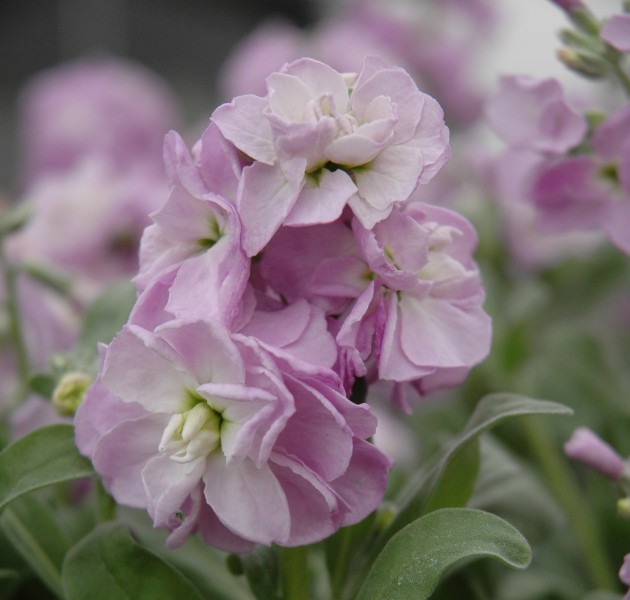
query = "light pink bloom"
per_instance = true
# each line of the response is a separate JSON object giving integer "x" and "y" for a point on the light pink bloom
{"x": 590, "y": 191}
{"x": 528, "y": 112}
{"x": 87, "y": 222}
{"x": 587, "y": 447}
{"x": 321, "y": 141}
{"x": 196, "y": 236}
{"x": 111, "y": 108}
{"x": 212, "y": 433}
{"x": 616, "y": 32}
{"x": 422, "y": 313}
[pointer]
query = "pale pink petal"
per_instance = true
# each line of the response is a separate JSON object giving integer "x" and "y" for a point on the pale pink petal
{"x": 616, "y": 32}
{"x": 157, "y": 380}
{"x": 322, "y": 199}
{"x": 363, "y": 484}
{"x": 123, "y": 452}
{"x": 315, "y": 510}
{"x": 242, "y": 122}
{"x": 168, "y": 483}
{"x": 248, "y": 500}
{"x": 266, "y": 197}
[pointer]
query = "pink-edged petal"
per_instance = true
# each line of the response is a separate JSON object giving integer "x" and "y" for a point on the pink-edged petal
{"x": 266, "y": 197}
{"x": 242, "y": 122}
{"x": 179, "y": 166}
{"x": 367, "y": 215}
{"x": 363, "y": 484}
{"x": 393, "y": 363}
{"x": 218, "y": 163}
{"x": 364, "y": 144}
{"x": 217, "y": 535}
{"x": 168, "y": 483}
{"x": 358, "y": 417}
{"x": 397, "y": 85}
{"x": 391, "y": 176}
{"x": 316, "y": 433}
{"x": 288, "y": 96}
{"x": 211, "y": 285}
{"x": 122, "y": 453}
{"x": 99, "y": 412}
{"x": 248, "y": 500}
{"x": 140, "y": 367}
{"x": 207, "y": 350}
{"x": 319, "y": 78}
{"x": 443, "y": 334}
{"x": 322, "y": 199}
{"x": 314, "y": 507}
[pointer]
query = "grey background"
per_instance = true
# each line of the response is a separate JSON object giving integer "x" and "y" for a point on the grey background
{"x": 184, "y": 41}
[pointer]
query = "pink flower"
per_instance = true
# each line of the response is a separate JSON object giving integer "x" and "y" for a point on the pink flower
{"x": 209, "y": 432}
{"x": 588, "y": 448}
{"x": 195, "y": 239}
{"x": 87, "y": 222}
{"x": 107, "y": 107}
{"x": 422, "y": 314}
{"x": 321, "y": 141}
{"x": 528, "y": 112}
{"x": 616, "y": 32}
{"x": 590, "y": 191}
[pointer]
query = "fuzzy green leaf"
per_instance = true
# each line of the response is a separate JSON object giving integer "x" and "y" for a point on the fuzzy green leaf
{"x": 45, "y": 456}
{"x": 413, "y": 561}
{"x": 107, "y": 563}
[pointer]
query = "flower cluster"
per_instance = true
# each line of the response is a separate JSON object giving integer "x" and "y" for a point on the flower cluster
{"x": 287, "y": 264}
{"x": 573, "y": 169}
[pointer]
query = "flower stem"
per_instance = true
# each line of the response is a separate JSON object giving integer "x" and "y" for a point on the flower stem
{"x": 294, "y": 569}
{"x": 15, "y": 324}
{"x": 567, "y": 493}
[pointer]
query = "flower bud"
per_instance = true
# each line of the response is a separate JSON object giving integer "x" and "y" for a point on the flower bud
{"x": 588, "y": 448}
{"x": 70, "y": 391}
{"x": 585, "y": 63}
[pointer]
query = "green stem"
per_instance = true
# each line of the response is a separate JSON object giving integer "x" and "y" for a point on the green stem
{"x": 15, "y": 325}
{"x": 339, "y": 572}
{"x": 568, "y": 494}
{"x": 294, "y": 566}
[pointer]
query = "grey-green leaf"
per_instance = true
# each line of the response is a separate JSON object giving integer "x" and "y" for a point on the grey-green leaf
{"x": 45, "y": 456}
{"x": 413, "y": 561}
{"x": 107, "y": 563}
{"x": 106, "y": 315}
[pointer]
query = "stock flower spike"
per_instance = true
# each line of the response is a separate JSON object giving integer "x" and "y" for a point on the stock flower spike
{"x": 222, "y": 333}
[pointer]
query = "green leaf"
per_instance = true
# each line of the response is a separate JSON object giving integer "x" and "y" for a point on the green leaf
{"x": 262, "y": 572}
{"x": 452, "y": 480}
{"x": 106, "y": 316}
{"x": 28, "y": 545}
{"x": 45, "y": 456}
{"x": 42, "y": 384}
{"x": 414, "y": 560}
{"x": 107, "y": 563}
{"x": 9, "y": 581}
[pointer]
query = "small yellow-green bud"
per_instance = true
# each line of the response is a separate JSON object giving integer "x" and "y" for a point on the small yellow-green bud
{"x": 623, "y": 507}
{"x": 70, "y": 391}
